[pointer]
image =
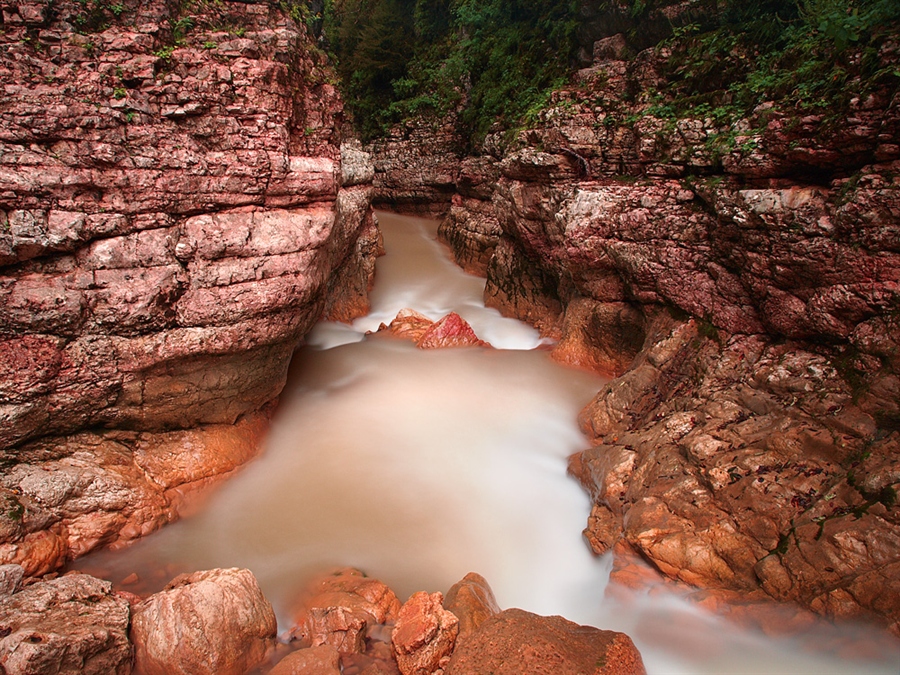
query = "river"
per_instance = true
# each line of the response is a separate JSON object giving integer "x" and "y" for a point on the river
{"x": 421, "y": 466}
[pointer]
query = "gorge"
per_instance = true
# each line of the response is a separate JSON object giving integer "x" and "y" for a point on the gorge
{"x": 182, "y": 200}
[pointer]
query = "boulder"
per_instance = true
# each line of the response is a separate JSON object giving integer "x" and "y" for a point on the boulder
{"x": 340, "y": 608}
{"x": 215, "y": 622}
{"x": 424, "y": 635}
{"x": 65, "y": 626}
{"x": 472, "y": 601}
{"x": 448, "y": 331}
{"x": 516, "y": 642}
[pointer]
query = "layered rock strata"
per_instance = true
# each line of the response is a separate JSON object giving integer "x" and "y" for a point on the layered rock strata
{"x": 743, "y": 282}
{"x": 416, "y": 168}
{"x": 177, "y": 209}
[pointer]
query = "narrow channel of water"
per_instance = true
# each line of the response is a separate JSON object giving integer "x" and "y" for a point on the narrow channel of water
{"x": 420, "y": 466}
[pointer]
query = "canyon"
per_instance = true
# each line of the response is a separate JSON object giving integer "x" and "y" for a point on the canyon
{"x": 180, "y": 204}
{"x": 745, "y": 298}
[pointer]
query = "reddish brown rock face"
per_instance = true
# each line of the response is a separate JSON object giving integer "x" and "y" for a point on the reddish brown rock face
{"x": 73, "y": 624}
{"x": 416, "y": 168}
{"x": 173, "y": 219}
{"x": 516, "y": 641}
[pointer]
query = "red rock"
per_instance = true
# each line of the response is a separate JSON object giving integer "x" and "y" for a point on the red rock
{"x": 516, "y": 642}
{"x": 448, "y": 331}
{"x": 168, "y": 232}
{"x": 215, "y": 622}
{"x": 424, "y": 635}
{"x": 472, "y": 601}
{"x": 339, "y": 609}
{"x": 321, "y": 660}
{"x": 73, "y": 624}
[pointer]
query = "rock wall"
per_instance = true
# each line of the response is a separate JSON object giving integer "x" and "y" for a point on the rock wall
{"x": 416, "y": 168}
{"x": 743, "y": 283}
{"x": 177, "y": 209}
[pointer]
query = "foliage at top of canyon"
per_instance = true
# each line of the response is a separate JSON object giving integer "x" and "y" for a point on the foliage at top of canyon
{"x": 495, "y": 62}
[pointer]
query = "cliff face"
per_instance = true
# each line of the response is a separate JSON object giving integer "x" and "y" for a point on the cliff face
{"x": 176, "y": 211}
{"x": 743, "y": 281}
{"x": 416, "y": 168}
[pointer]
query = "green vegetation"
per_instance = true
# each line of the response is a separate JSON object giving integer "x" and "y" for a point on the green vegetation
{"x": 496, "y": 62}
{"x": 96, "y": 15}
{"x": 15, "y": 510}
{"x": 164, "y": 53}
{"x": 812, "y": 55}
{"x": 493, "y": 60}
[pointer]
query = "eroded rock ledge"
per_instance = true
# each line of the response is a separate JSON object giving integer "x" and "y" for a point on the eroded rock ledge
{"x": 177, "y": 208}
{"x": 745, "y": 294}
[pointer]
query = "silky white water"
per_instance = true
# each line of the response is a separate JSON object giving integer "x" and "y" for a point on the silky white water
{"x": 418, "y": 467}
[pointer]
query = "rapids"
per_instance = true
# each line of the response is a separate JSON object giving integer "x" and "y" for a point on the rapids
{"x": 420, "y": 466}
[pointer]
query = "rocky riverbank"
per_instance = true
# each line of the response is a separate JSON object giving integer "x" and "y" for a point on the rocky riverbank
{"x": 218, "y": 622}
{"x": 741, "y": 281}
{"x": 177, "y": 208}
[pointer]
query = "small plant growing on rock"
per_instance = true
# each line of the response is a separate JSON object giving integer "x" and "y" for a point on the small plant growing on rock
{"x": 119, "y": 93}
{"x": 15, "y": 510}
{"x": 165, "y": 53}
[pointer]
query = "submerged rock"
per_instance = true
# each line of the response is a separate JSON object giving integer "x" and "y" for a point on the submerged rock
{"x": 321, "y": 660}
{"x": 215, "y": 622}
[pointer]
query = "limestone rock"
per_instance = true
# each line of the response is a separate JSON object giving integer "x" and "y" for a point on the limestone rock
{"x": 516, "y": 642}
{"x": 10, "y": 579}
{"x": 424, "y": 635}
{"x": 215, "y": 622}
{"x": 72, "y": 624}
{"x": 602, "y": 337}
{"x": 69, "y": 496}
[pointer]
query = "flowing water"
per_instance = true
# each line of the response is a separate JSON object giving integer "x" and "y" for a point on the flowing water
{"x": 421, "y": 466}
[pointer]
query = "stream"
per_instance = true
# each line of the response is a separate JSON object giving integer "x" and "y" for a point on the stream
{"x": 418, "y": 467}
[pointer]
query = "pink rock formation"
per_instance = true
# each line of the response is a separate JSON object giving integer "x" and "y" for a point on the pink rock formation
{"x": 750, "y": 312}
{"x": 448, "y": 331}
{"x": 173, "y": 219}
{"x": 73, "y": 624}
{"x": 215, "y": 622}
{"x": 340, "y": 607}
{"x": 416, "y": 168}
{"x": 424, "y": 635}
{"x": 472, "y": 601}
{"x": 515, "y": 642}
